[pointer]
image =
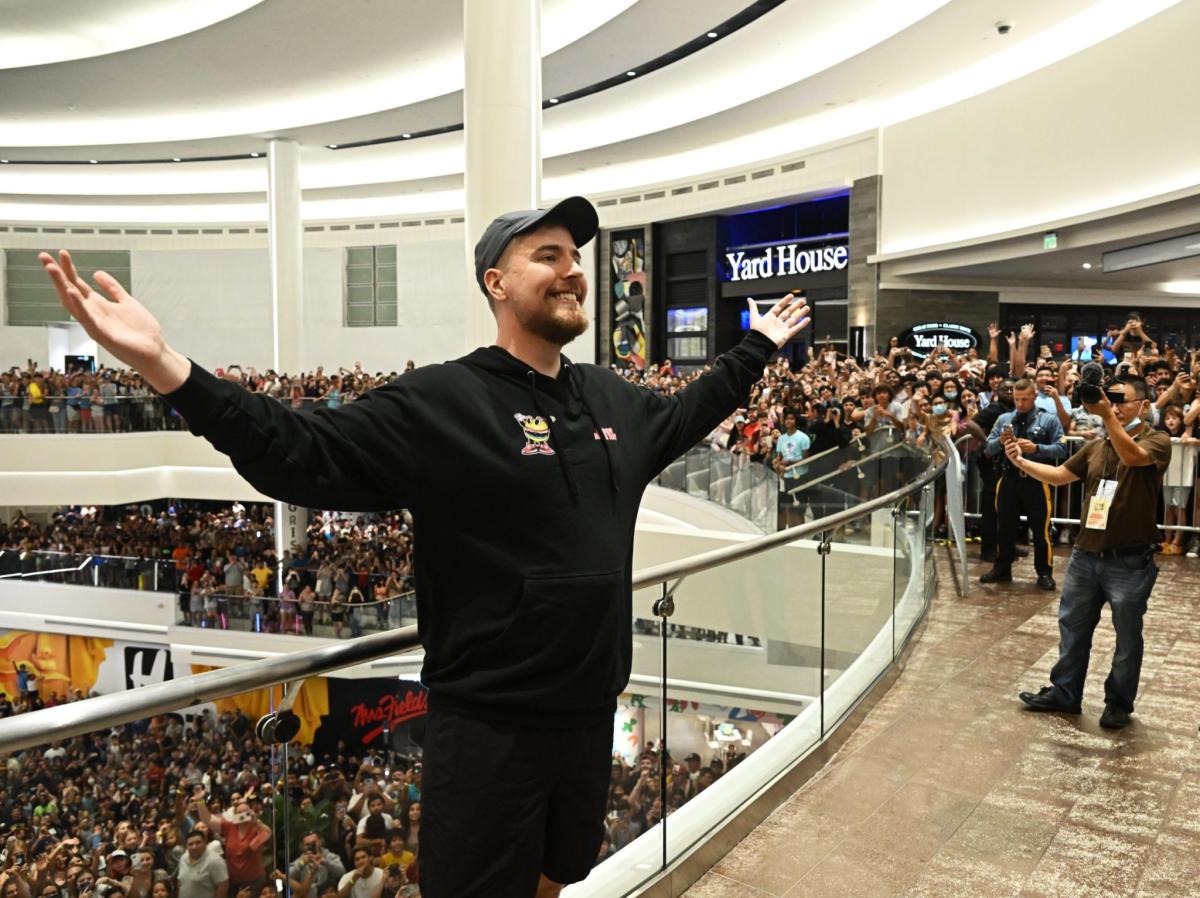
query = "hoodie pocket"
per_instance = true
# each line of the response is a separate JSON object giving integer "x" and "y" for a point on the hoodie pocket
{"x": 562, "y": 644}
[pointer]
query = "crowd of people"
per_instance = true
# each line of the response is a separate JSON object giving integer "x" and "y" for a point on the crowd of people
{"x": 176, "y": 807}
{"x": 220, "y": 558}
{"x": 192, "y": 807}
{"x": 115, "y": 400}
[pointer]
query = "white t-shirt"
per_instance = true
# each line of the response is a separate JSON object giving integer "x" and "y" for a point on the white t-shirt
{"x": 365, "y": 887}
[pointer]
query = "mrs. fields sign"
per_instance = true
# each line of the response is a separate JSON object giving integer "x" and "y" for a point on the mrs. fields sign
{"x": 785, "y": 259}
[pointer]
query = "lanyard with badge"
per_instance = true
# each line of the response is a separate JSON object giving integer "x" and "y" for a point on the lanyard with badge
{"x": 1101, "y": 503}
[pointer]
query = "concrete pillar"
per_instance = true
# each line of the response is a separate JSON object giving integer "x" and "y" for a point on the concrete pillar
{"x": 285, "y": 236}
{"x": 863, "y": 278}
{"x": 502, "y": 112}
{"x": 285, "y": 233}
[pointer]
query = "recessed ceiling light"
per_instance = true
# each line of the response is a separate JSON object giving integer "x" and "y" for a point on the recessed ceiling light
{"x": 254, "y": 155}
{"x": 1087, "y": 265}
{"x": 176, "y": 159}
{"x": 1181, "y": 286}
{"x": 713, "y": 34}
{"x": 94, "y": 161}
{"x": 406, "y": 136}
{"x": 631, "y": 74}
{"x": 4, "y": 161}
{"x": 332, "y": 146}
{"x": 553, "y": 100}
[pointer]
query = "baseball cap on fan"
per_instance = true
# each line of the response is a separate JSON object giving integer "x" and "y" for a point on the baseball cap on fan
{"x": 574, "y": 213}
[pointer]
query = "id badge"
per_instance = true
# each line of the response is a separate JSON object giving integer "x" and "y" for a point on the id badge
{"x": 1101, "y": 504}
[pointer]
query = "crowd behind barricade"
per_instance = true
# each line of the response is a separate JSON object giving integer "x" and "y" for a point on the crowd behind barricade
{"x": 117, "y": 400}
{"x": 220, "y": 559}
{"x": 193, "y": 808}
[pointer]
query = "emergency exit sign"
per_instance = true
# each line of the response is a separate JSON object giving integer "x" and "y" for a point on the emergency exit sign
{"x": 1050, "y": 240}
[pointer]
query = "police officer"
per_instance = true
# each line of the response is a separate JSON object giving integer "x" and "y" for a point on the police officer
{"x": 1039, "y": 437}
{"x": 1113, "y": 560}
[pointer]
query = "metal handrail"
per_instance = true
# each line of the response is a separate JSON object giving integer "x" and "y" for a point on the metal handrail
{"x": 79, "y": 718}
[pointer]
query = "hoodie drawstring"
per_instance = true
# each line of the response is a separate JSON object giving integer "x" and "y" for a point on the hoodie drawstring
{"x": 555, "y": 444}
{"x": 587, "y": 410}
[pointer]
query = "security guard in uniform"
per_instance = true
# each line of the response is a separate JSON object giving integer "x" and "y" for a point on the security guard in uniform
{"x": 1039, "y": 437}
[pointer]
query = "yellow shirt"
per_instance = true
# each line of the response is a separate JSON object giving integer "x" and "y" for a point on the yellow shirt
{"x": 35, "y": 395}
{"x": 262, "y": 575}
{"x": 404, "y": 861}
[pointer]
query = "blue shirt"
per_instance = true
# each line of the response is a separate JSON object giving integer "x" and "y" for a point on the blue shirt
{"x": 1041, "y": 428}
{"x": 791, "y": 448}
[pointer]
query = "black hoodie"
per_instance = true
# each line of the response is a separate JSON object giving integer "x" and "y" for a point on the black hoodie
{"x": 524, "y": 491}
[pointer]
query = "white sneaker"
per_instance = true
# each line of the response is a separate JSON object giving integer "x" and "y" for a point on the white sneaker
{"x": 1193, "y": 549}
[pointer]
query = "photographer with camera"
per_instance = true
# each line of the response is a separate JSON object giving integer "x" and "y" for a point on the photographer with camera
{"x": 1113, "y": 561}
{"x": 1038, "y": 436}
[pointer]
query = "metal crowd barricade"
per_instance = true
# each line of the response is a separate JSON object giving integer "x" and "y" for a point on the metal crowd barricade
{"x": 1066, "y": 501}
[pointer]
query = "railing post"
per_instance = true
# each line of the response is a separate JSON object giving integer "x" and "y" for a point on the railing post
{"x": 664, "y": 607}
{"x": 823, "y": 550}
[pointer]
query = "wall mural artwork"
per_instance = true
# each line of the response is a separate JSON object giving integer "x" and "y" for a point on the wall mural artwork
{"x": 90, "y": 664}
{"x": 628, "y": 256}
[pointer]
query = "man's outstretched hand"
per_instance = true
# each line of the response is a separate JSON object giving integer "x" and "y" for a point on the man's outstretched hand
{"x": 120, "y": 323}
{"x": 783, "y": 321}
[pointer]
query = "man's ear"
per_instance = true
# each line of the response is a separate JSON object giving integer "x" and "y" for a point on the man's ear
{"x": 493, "y": 281}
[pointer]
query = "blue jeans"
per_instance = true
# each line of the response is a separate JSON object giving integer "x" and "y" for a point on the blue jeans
{"x": 1125, "y": 584}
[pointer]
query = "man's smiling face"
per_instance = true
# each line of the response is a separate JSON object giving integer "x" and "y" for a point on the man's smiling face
{"x": 545, "y": 284}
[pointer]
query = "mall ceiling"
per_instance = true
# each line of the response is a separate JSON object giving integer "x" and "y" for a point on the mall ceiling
{"x": 84, "y": 85}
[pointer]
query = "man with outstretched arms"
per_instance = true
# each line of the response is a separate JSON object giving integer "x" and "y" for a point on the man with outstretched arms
{"x": 524, "y": 606}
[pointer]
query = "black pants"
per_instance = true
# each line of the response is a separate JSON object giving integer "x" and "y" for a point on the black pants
{"x": 988, "y": 477}
{"x": 1016, "y": 496}
{"x": 502, "y": 804}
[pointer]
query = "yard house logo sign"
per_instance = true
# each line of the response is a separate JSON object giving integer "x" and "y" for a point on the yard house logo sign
{"x": 754, "y": 264}
{"x": 923, "y": 339}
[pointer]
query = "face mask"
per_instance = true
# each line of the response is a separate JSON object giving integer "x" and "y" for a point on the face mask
{"x": 1133, "y": 425}
{"x": 940, "y": 408}
{"x": 950, "y": 394}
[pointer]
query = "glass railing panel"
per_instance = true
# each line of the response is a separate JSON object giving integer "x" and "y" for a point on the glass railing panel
{"x": 70, "y": 414}
{"x": 858, "y": 591}
{"x": 743, "y": 662}
{"x": 907, "y": 570}
{"x": 297, "y": 616}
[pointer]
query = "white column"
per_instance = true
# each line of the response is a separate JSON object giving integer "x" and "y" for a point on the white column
{"x": 502, "y": 112}
{"x": 285, "y": 233}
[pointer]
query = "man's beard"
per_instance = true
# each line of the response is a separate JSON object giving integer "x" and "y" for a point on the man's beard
{"x": 555, "y": 323}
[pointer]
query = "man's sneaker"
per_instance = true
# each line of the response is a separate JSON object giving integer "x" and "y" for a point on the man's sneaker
{"x": 1193, "y": 549}
{"x": 1043, "y": 700}
{"x": 997, "y": 575}
{"x": 1046, "y": 582}
{"x": 1114, "y": 718}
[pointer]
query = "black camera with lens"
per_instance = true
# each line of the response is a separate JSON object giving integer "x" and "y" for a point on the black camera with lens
{"x": 1092, "y": 385}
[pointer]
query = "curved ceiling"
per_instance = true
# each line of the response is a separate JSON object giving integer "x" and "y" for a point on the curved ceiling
{"x": 805, "y": 73}
{"x": 44, "y": 32}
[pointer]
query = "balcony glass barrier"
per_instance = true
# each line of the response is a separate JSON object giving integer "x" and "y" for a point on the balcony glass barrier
{"x": 811, "y": 618}
{"x": 62, "y": 414}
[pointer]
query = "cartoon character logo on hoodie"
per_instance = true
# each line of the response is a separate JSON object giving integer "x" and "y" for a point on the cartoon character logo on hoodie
{"x": 537, "y": 434}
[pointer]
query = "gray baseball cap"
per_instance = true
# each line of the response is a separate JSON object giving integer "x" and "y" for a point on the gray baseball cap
{"x": 574, "y": 213}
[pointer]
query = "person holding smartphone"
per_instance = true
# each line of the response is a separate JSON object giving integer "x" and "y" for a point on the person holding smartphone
{"x": 1039, "y": 437}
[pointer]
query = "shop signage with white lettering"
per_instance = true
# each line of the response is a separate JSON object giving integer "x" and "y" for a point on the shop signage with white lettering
{"x": 924, "y": 338}
{"x": 784, "y": 260}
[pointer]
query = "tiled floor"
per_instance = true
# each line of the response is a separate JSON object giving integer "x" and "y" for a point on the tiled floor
{"x": 950, "y": 788}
